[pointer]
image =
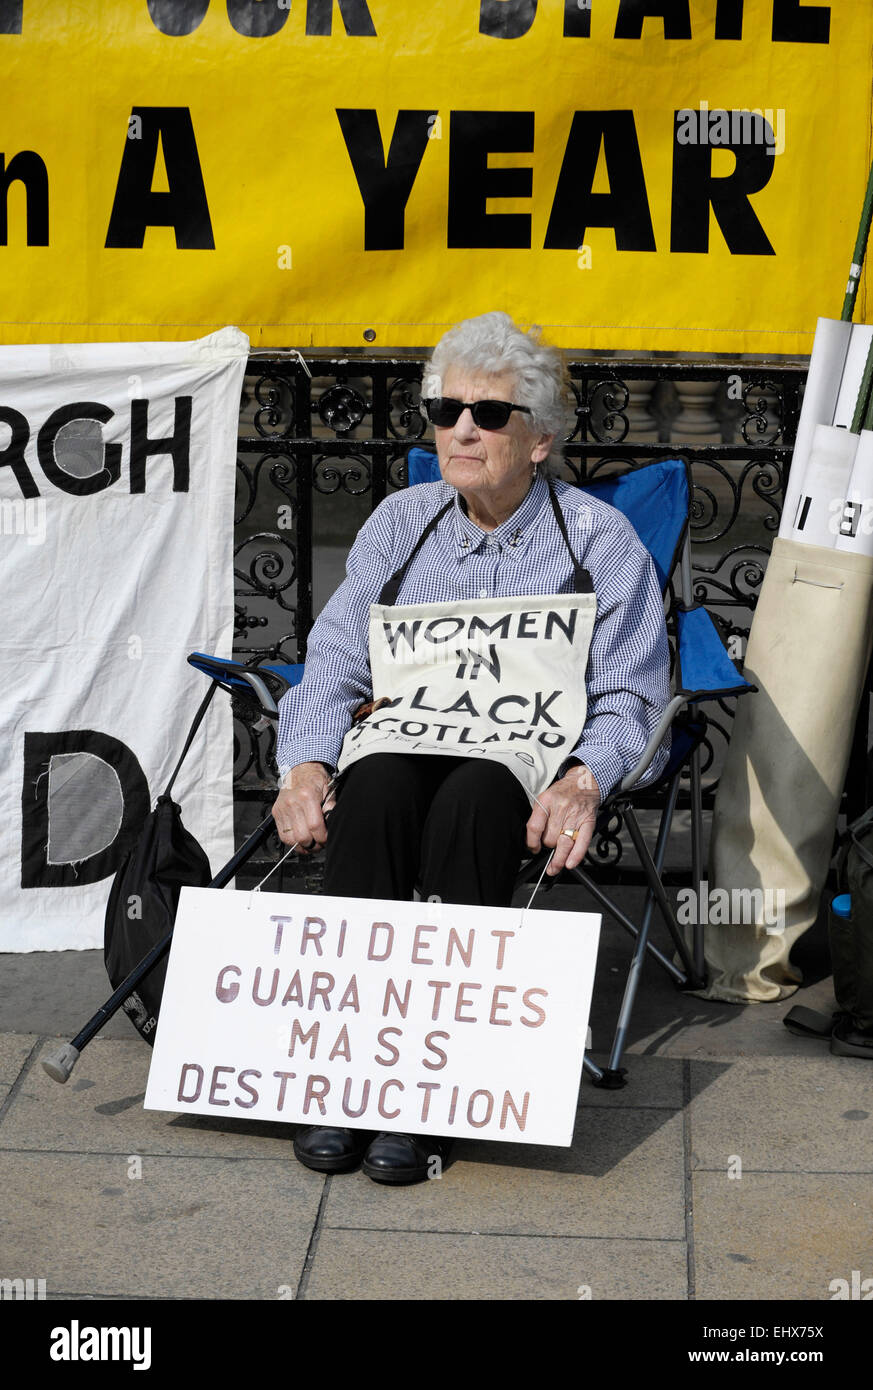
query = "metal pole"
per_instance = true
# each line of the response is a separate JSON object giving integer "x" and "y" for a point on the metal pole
{"x": 858, "y": 257}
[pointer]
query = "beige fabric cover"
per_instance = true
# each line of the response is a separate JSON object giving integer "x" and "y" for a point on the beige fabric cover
{"x": 779, "y": 795}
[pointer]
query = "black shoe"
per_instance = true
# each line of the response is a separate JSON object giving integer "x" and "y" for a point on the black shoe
{"x": 849, "y": 1041}
{"x": 406, "y": 1158}
{"x": 331, "y": 1150}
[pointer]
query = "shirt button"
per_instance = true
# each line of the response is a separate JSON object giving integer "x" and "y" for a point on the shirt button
{"x": 483, "y": 593}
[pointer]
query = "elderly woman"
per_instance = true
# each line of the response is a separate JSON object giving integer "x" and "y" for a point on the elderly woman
{"x": 509, "y": 629}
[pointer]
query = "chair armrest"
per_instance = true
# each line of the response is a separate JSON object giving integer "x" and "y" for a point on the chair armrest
{"x": 654, "y": 743}
{"x": 705, "y": 671}
{"x": 235, "y": 678}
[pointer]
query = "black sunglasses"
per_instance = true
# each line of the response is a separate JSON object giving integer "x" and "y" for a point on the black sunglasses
{"x": 445, "y": 411}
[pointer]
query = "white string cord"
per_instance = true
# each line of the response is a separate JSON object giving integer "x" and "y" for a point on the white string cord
{"x": 282, "y": 356}
{"x": 330, "y": 786}
{"x": 258, "y": 886}
{"x": 534, "y": 893}
{"x": 542, "y": 875}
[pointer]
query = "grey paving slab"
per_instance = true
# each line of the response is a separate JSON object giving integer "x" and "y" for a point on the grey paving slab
{"x": 402, "y": 1265}
{"x": 652, "y": 1082}
{"x": 623, "y": 1176}
{"x": 14, "y": 1052}
{"x": 780, "y": 1236}
{"x": 797, "y": 1114}
{"x": 56, "y": 992}
{"x": 188, "y": 1228}
{"x": 99, "y": 1110}
{"x": 691, "y": 1027}
{"x": 668, "y": 1023}
{"x": 224, "y": 1211}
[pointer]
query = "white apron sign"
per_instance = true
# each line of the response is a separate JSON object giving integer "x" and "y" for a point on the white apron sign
{"x": 501, "y": 678}
{"x": 417, "y": 1018}
{"x": 117, "y": 471}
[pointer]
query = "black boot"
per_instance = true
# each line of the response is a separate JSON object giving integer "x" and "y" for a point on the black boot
{"x": 847, "y": 1040}
{"x": 331, "y": 1150}
{"x": 406, "y": 1158}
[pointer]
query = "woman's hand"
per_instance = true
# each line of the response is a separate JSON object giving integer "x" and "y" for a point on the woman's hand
{"x": 298, "y": 811}
{"x": 568, "y": 805}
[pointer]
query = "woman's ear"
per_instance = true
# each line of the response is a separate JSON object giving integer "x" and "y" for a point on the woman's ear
{"x": 542, "y": 448}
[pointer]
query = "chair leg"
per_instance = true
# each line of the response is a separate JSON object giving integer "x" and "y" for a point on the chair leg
{"x": 629, "y": 997}
{"x": 678, "y": 976}
{"x": 654, "y": 881}
{"x": 593, "y": 1070}
{"x": 612, "y": 1077}
{"x": 697, "y": 861}
{"x": 533, "y": 868}
{"x": 615, "y": 1069}
{"x": 664, "y": 827}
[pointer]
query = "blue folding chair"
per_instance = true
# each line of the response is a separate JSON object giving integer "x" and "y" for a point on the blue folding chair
{"x": 656, "y": 500}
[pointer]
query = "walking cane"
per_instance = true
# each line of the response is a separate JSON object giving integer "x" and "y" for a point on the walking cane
{"x": 60, "y": 1063}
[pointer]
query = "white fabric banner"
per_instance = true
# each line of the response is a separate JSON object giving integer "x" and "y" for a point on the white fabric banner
{"x": 117, "y": 471}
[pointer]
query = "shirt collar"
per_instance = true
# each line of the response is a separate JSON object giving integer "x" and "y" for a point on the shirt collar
{"x": 512, "y": 535}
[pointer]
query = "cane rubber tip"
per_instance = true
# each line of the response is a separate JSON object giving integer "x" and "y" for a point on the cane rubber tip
{"x": 59, "y": 1065}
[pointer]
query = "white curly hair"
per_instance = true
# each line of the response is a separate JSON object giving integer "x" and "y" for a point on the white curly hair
{"x": 493, "y": 344}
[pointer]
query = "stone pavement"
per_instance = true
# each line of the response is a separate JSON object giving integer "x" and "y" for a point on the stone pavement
{"x": 736, "y": 1164}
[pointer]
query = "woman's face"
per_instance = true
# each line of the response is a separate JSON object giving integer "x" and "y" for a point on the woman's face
{"x": 492, "y": 469}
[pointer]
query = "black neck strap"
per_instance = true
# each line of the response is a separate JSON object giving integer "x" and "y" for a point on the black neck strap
{"x": 581, "y": 578}
{"x": 391, "y": 588}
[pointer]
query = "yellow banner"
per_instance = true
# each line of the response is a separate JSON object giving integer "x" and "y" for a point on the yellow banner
{"x": 630, "y": 174}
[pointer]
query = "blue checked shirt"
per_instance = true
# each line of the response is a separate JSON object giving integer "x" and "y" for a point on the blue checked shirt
{"x": 628, "y": 676}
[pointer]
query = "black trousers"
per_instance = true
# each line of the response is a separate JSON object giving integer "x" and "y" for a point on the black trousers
{"x": 454, "y": 827}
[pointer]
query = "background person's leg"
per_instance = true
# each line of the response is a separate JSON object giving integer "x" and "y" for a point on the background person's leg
{"x": 474, "y": 835}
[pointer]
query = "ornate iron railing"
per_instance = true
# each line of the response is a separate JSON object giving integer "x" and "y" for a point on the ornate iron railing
{"x": 320, "y": 446}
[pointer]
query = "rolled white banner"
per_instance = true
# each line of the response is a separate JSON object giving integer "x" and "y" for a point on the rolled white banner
{"x": 853, "y": 371}
{"x": 829, "y": 352}
{"x": 825, "y": 485}
{"x": 854, "y": 522}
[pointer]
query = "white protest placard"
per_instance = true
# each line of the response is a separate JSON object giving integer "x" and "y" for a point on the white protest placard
{"x": 420, "y": 1018}
{"x": 502, "y": 678}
